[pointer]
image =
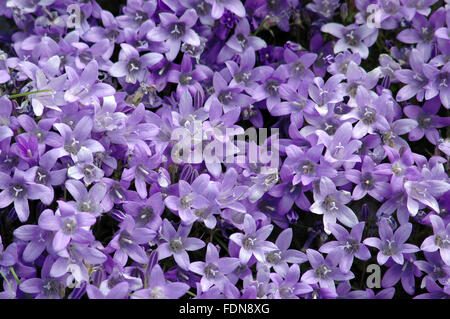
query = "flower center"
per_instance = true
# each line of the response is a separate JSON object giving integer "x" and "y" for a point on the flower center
{"x": 86, "y": 206}
{"x": 145, "y": 215}
{"x": 427, "y": 34}
{"x": 41, "y": 176}
{"x": 186, "y": 201}
{"x": 133, "y": 66}
{"x": 274, "y": 257}
{"x": 157, "y": 293}
{"x": 50, "y": 287}
{"x": 69, "y": 225}
{"x": 351, "y": 246}
{"x": 389, "y": 248}
{"x": 285, "y": 292}
{"x": 88, "y": 170}
{"x": 73, "y": 147}
{"x": 125, "y": 239}
{"x": 442, "y": 241}
{"x": 248, "y": 242}
{"x": 322, "y": 271}
{"x": 242, "y": 40}
{"x": 140, "y": 17}
{"x": 367, "y": 181}
{"x": 351, "y": 38}
{"x": 369, "y": 116}
{"x": 420, "y": 81}
{"x": 176, "y": 245}
{"x": 338, "y": 152}
{"x": 225, "y": 97}
{"x": 202, "y": 8}
{"x": 306, "y": 167}
{"x": 18, "y": 191}
{"x": 185, "y": 78}
{"x": 329, "y": 204}
{"x": 424, "y": 121}
{"x": 177, "y": 30}
{"x": 211, "y": 271}
{"x": 272, "y": 87}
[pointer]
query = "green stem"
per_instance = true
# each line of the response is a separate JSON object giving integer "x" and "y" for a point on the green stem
{"x": 190, "y": 293}
{"x": 261, "y": 26}
{"x": 7, "y": 281}
{"x": 28, "y": 93}
{"x": 14, "y": 275}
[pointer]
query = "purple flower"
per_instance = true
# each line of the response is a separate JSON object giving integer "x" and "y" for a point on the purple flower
{"x": 38, "y": 239}
{"x": 19, "y": 189}
{"x": 438, "y": 83}
{"x": 85, "y": 88}
{"x": 253, "y": 242}
{"x": 8, "y": 256}
{"x": 427, "y": 120}
{"x": 136, "y": 12}
{"x": 341, "y": 147}
{"x": 298, "y": 68}
{"x": 119, "y": 291}
{"x": 128, "y": 239}
{"x": 347, "y": 246}
{"x": 269, "y": 89}
{"x": 227, "y": 95}
{"x": 289, "y": 287}
{"x": 141, "y": 170}
{"x": 414, "y": 79}
{"x": 132, "y": 66}
{"x": 214, "y": 269}
{"x": 68, "y": 225}
{"x": 45, "y": 287}
{"x": 188, "y": 80}
{"x": 190, "y": 201}
{"x": 368, "y": 181}
{"x": 218, "y": 8}
{"x": 324, "y": 271}
{"x": 88, "y": 202}
{"x": 371, "y": 113}
{"x": 425, "y": 192}
{"x": 330, "y": 203}
{"x": 45, "y": 81}
{"x": 356, "y": 38}
{"x": 240, "y": 42}
{"x": 5, "y": 115}
{"x": 324, "y": 7}
{"x": 392, "y": 244}
{"x": 75, "y": 139}
{"x": 175, "y": 30}
{"x": 434, "y": 267}
{"x": 85, "y": 168}
{"x": 405, "y": 273}
{"x": 159, "y": 288}
{"x": 279, "y": 257}
{"x": 423, "y": 30}
{"x": 176, "y": 244}
{"x": 147, "y": 212}
{"x": 324, "y": 93}
{"x": 306, "y": 166}
{"x": 434, "y": 291}
{"x": 440, "y": 240}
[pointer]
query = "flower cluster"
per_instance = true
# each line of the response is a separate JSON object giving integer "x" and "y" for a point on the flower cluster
{"x": 101, "y": 104}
